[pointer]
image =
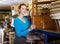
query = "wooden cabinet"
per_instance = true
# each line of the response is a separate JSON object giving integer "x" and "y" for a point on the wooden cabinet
{"x": 42, "y": 20}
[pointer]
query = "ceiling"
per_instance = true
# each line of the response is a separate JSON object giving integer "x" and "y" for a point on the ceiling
{"x": 6, "y": 4}
{"x": 11, "y": 2}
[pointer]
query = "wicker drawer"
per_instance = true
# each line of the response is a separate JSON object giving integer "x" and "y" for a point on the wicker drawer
{"x": 44, "y": 22}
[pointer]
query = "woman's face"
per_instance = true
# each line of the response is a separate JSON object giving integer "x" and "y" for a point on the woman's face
{"x": 23, "y": 9}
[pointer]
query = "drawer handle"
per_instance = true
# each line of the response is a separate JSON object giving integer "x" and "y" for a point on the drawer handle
{"x": 41, "y": 22}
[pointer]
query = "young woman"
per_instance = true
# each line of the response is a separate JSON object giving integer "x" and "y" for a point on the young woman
{"x": 22, "y": 26}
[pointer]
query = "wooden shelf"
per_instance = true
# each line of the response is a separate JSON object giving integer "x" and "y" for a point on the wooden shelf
{"x": 45, "y": 2}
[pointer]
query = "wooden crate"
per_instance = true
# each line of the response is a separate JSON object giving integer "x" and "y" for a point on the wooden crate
{"x": 11, "y": 37}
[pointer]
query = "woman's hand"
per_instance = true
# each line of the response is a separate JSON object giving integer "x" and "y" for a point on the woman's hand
{"x": 32, "y": 27}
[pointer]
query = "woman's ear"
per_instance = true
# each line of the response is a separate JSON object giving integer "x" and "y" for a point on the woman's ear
{"x": 19, "y": 10}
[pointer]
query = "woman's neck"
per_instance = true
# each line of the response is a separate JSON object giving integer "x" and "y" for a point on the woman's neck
{"x": 21, "y": 16}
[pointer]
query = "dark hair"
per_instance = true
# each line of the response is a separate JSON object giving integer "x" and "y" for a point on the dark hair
{"x": 21, "y": 5}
